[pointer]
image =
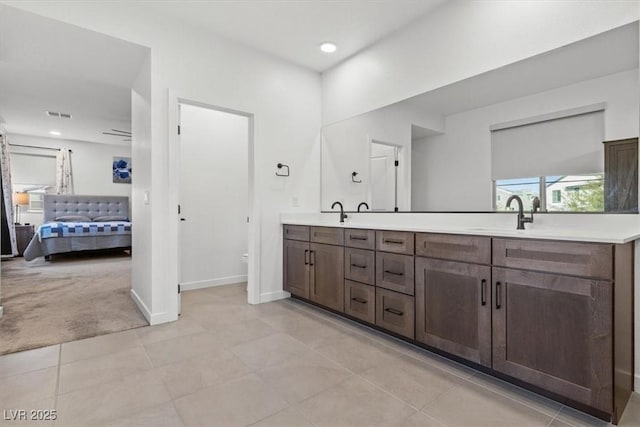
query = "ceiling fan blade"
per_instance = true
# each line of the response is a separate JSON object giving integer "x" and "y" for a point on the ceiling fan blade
{"x": 122, "y": 131}
{"x": 114, "y": 134}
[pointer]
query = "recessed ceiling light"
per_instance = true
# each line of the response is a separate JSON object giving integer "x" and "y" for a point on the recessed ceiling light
{"x": 55, "y": 132}
{"x": 328, "y": 47}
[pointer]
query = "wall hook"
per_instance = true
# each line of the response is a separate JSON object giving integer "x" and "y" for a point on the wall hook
{"x": 280, "y": 166}
{"x": 353, "y": 178}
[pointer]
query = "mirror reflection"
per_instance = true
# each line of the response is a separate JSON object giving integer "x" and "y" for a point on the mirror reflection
{"x": 559, "y": 129}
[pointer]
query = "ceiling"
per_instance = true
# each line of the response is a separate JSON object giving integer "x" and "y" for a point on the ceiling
{"x": 47, "y": 65}
{"x": 294, "y": 29}
{"x": 607, "y": 53}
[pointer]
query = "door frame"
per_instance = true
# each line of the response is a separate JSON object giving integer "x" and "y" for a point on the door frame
{"x": 399, "y": 153}
{"x": 253, "y": 284}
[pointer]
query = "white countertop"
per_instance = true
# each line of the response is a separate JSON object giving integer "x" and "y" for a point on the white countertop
{"x": 593, "y": 229}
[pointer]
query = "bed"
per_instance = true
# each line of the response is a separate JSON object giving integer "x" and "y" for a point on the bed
{"x": 81, "y": 223}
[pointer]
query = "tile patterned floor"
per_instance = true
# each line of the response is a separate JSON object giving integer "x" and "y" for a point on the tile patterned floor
{"x": 226, "y": 363}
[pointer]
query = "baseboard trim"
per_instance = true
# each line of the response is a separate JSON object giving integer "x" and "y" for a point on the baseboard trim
{"x": 201, "y": 284}
{"x": 636, "y": 383}
{"x": 141, "y": 305}
{"x": 1, "y": 311}
{"x": 273, "y": 296}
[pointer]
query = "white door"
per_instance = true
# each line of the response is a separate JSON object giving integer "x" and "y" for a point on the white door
{"x": 214, "y": 197}
{"x": 383, "y": 177}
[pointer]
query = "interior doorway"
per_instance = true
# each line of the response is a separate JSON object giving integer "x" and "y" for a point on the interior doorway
{"x": 213, "y": 197}
{"x": 384, "y": 164}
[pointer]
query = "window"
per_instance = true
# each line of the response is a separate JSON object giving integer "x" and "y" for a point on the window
{"x": 36, "y": 202}
{"x": 562, "y": 193}
{"x": 526, "y": 188}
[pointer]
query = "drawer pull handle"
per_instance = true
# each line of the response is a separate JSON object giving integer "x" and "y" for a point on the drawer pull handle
{"x": 498, "y": 295}
{"x": 394, "y": 242}
{"x": 394, "y": 311}
{"x": 357, "y": 238}
{"x": 394, "y": 273}
{"x": 358, "y": 266}
{"x": 359, "y": 300}
{"x": 306, "y": 257}
{"x": 483, "y": 291}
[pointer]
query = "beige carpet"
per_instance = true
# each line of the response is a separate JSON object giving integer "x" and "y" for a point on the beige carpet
{"x": 66, "y": 299}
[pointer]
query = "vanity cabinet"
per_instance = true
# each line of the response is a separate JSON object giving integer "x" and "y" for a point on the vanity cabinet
{"x": 553, "y": 316}
{"x": 314, "y": 271}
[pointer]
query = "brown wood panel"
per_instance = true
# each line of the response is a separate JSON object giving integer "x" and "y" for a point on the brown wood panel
{"x": 395, "y": 272}
{"x": 296, "y": 267}
{"x": 454, "y": 247}
{"x": 395, "y": 312}
{"x": 401, "y": 242}
{"x": 555, "y": 332}
{"x": 327, "y": 235}
{"x": 363, "y": 239}
{"x": 296, "y": 232}
{"x": 621, "y": 175}
{"x": 576, "y": 259}
{"x": 453, "y": 308}
{"x": 327, "y": 275}
{"x": 360, "y": 301}
{"x": 24, "y": 234}
{"x": 360, "y": 265}
{"x": 623, "y": 363}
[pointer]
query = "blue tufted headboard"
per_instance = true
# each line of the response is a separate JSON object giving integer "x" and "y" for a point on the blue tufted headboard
{"x": 91, "y": 206}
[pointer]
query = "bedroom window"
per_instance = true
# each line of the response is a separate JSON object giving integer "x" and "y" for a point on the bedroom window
{"x": 36, "y": 202}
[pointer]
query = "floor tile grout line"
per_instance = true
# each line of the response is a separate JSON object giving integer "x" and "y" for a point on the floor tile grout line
{"x": 57, "y": 391}
{"x": 452, "y": 388}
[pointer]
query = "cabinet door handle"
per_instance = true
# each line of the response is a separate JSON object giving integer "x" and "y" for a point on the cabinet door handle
{"x": 312, "y": 257}
{"x": 306, "y": 257}
{"x": 394, "y": 273}
{"x": 394, "y": 311}
{"x": 483, "y": 291}
{"x": 360, "y": 300}
{"x": 358, "y": 266}
{"x": 498, "y": 295}
{"x": 357, "y": 238}
{"x": 394, "y": 242}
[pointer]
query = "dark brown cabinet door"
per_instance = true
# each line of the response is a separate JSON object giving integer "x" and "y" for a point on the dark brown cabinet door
{"x": 360, "y": 265}
{"x": 621, "y": 175}
{"x": 453, "y": 308}
{"x": 554, "y": 332}
{"x": 296, "y": 267}
{"x": 395, "y": 312}
{"x": 327, "y": 275}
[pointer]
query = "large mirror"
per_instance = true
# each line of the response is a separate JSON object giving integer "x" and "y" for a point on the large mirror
{"x": 559, "y": 128}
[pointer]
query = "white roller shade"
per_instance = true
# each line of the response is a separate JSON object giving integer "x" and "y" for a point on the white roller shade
{"x": 33, "y": 169}
{"x": 557, "y": 146}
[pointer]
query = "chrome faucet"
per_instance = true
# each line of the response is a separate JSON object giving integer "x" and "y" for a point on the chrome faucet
{"x": 342, "y": 214}
{"x": 365, "y": 205}
{"x": 521, "y": 218}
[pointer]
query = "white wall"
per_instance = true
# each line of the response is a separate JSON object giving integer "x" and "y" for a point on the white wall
{"x": 346, "y": 148}
{"x": 285, "y": 101}
{"x": 214, "y": 196}
{"x": 456, "y": 172}
{"x": 91, "y": 166}
{"x": 462, "y": 39}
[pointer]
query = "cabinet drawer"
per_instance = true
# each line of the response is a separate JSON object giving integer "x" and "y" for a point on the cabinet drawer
{"x": 360, "y": 265}
{"x": 395, "y": 312}
{"x": 454, "y": 247}
{"x": 327, "y": 235}
{"x": 395, "y": 241}
{"x": 296, "y": 232}
{"x": 575, "y": 259}
{"x": 360, "y": 301}
{"x": 363, "y": 239}
{"x": 395, "y": 272}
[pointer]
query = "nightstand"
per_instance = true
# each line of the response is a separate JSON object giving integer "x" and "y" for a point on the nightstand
{"x": 24, "y": 234}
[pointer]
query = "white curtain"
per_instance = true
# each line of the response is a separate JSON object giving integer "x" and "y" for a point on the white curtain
{"x": 7, "y": 191}
{"x": 64, "y": 176}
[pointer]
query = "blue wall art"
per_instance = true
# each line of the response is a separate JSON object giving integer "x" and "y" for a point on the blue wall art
{"x": 122, "y": 170}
